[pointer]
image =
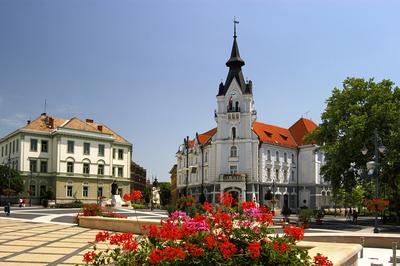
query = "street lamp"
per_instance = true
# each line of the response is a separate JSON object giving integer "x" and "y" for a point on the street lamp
{"x": 273, "y": 194}
{"x": 374, "y": 167}
{"x": 202, "y": 196}
{"x": 186, "y": 146}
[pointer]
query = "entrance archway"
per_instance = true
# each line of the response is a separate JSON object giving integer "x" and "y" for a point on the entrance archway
{"x": 235, "y": 191}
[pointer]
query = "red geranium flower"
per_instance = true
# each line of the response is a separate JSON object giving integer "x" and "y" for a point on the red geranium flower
{"x": 89, "y": 256}
{"x": 254, "y": 249}
{"x": 102, "y": 236}
{"x": 207, "y": 206}
{"x": 322, "y": 260}
{"x": 280, "y": 246}
{"x": 227, "y": 249}
{"x": 248, "y": 205}
{"x": 296, "y": 232}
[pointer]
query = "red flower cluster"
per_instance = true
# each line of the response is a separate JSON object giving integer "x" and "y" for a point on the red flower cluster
{"x": 320, "y": 260}
{"x": 248, "y": 205}
{"x": 167, "y": 254}
{"x": 280, "y": 246}
{"x": 227, "y": 249}
{"x": 102, "y": 236}
{"x": 89, "y": 256}
{"x": 226, "y": 199}
{"x": 254, "y": 249}
{"x": 296, "y": 232}
{"x": 207, "y": 207}
{"x": 135, "y": 195}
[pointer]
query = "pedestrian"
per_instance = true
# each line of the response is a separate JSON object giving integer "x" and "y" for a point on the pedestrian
{"x": 355, "y": 216}
{"x": 21, "y": 201}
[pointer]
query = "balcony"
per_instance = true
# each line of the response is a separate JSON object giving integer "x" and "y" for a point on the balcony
{"x": 232, "y": 177}
{"x": 232, "y": 109}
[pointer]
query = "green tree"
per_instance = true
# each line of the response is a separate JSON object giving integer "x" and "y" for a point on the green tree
{"x": 16, "y": 183}
{"x": 165, "y": 193}
{"x": 351, "y": 115}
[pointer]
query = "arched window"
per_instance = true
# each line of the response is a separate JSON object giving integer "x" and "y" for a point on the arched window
{"x": 285, "y": 157}
{"x": 206, "y": 157}
{"x": 292, "y": 158}
{"x": 268, "y": 155}
{"x": 233, "y": 151}
{"x": 277, "y": 156}
{"x": 234, "y": 132}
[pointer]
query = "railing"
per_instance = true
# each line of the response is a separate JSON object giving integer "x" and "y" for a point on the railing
{"x": 232, "y": 177}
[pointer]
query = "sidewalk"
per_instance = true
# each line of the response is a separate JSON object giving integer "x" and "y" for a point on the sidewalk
{"x": 25, "y": 243}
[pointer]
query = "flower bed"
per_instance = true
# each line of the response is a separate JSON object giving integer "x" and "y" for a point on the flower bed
{"x": 221, "y": 236}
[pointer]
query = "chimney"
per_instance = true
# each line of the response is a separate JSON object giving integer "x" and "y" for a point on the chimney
{"x": 88, "y": 120}
{"x": 28, "y": 122}
{"x": 100, "y": 127}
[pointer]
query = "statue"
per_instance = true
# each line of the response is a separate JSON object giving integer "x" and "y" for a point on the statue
{"x": 116, "y": 200}
{"x": 155, "y": 195}
{"x": 114, "y": 188}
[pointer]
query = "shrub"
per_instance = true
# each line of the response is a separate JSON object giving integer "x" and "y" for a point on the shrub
{"x": 75, "y": 204}
{"x": 138, "y": 206}
{"x": 305, "y": 215}
{"x": 319, "y": 214}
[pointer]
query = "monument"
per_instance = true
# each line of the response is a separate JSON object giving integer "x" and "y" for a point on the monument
{"x": 116, "y": 200}
{"x": 155, "y": 195}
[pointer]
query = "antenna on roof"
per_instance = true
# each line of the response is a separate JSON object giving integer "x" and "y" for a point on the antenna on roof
{"x": 306, "y": 114}
{"x": 45, "y": 105}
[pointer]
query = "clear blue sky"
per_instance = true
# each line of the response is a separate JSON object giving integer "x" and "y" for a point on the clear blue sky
{"x": 150, "y": 69}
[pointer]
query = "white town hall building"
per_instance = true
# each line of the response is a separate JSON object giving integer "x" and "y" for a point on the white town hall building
{"x": 250, "y": 159}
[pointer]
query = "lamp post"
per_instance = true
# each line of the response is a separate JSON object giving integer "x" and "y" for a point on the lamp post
{"x": 30, "y": 188}
{"x": 374, "y": 165}
{"x": 186, "y": 143}
{"x": 273, "y": 194}
{"x": 202, "y": 196}
{"x": 9, "y": 176}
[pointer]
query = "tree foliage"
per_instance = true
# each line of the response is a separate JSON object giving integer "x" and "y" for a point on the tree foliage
{"x": 348, "y": 122}
{"x": 165, "y": 193}
{"x": 16, "y": 183}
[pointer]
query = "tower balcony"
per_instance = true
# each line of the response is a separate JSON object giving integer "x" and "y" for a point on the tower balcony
{"x": 233, "y": 116}
{"x": 236, "y": 177}
{"x": 233, "y": 109}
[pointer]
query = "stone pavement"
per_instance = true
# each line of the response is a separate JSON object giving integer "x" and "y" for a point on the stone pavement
{"x": 27, "y": 243}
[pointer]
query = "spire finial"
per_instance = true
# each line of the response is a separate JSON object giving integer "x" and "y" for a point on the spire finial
{"x": 234, "y": 26}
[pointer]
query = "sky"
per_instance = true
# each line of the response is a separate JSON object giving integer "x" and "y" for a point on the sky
{"x": 150, "y": 69}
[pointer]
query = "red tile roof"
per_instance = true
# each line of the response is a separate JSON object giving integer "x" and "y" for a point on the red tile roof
{"x": 206, "y": 136}
{"x": 301, "y": 128}
{"x": 48, "y": 124}
{"x": 274, "y": 135}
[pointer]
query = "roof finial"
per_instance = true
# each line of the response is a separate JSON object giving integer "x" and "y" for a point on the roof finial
{"x": 234, "y": 26}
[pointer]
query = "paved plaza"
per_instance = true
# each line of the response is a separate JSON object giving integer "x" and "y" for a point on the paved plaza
{"x": 39, "y": 236}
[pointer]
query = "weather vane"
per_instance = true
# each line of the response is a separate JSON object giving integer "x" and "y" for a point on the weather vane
{"x": 234, "y": 26}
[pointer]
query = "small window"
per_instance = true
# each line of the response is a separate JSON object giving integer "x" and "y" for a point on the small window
{"x": 70, "y": 167}
{"x": 33, "y": 144}
{"x": 33, "y": 166}
{"x": 277, "y": 156}
{"x": 17, "y": 145}
{"x": 6, "y": 149}
{"x": 206, "y": 157}
{"x": 285, "y": 157}
{"x": 233, "y": 169}
{"x": 120, "y": 154}
{"x": 268, "y": 155}
{"x": 2, "y": 151}
{"x": 86, "y": 168}
{"x": 70, "y": 148}
{"x": 32, "y": 190}
{"x": 100, "y": 169}
{"x": 13, "y": 146}
{"x": 101, "y": 150}
{"x": 86, "y": 148}
{"x": 69, "y": 191}
{"x": 277, "y": 174}
{"x": 234, "y": 132}
{"x": 42, "y": 190}
{"x": 205, "y": 174}
{"x": 113, "y": 171}
{"x": 233, "y": 151}
{"x": 114, "y": 152}
{"x": 269, "y": 173}
{"x": 292, "y": 158}
{"x": 100, "y": 192}
{"x": 85, "y": 191}
{"x": 43, "y": 166}
{"x": 44, "y": 146}
{"x": 120, "y": 171}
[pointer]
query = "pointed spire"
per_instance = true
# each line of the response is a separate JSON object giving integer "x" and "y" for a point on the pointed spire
{"x": 235, "y": 64}
{"x": 235, "y": 60}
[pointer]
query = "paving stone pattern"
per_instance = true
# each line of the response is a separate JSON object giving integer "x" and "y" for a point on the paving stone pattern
{"x": 25, "y": 243}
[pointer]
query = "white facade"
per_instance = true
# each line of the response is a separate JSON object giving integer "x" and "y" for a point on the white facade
{"x": 252, "y": 160}
{"x": 55, "y": 159}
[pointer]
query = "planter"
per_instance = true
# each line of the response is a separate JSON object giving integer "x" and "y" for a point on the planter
{"x": 116, "y": 224}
